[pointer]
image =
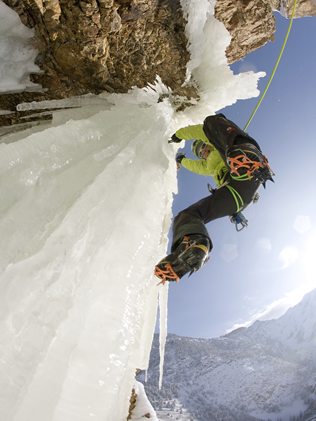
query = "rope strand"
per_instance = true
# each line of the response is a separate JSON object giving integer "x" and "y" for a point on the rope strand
{"x": 275, "y": 67}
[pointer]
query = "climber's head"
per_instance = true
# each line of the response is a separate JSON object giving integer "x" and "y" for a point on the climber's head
{"x": 200, "y": 149}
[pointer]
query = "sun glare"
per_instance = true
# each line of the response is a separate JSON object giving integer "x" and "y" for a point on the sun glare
{"x": 302, "y": 224}
{"x": 288, "y": 256}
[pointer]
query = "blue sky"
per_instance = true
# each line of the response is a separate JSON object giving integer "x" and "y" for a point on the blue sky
{"x": 267, "y": 267}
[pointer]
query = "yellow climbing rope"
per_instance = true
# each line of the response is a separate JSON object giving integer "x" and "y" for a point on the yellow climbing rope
{"x": 275, "y": 67}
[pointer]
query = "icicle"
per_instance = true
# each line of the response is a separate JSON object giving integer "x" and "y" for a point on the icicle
{"x": 75, "y": 101}
{"x": 163, "y": 310}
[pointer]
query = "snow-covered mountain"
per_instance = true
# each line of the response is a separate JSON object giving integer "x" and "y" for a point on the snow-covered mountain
{"x": 295, "y": 329}
{"x": 264, "y": 372}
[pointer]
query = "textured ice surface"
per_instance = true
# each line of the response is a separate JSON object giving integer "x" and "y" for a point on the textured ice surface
{"x": 85, "y": 209}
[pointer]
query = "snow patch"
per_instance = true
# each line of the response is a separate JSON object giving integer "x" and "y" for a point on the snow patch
{"x": 143, "y": 408}
{"x": 17, "y": 54}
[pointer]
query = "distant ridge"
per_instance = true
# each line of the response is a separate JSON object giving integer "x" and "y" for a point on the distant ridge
{"x": 264, "y": 372}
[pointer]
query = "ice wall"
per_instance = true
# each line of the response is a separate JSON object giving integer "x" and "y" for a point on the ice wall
{"x": 84, "y": 213}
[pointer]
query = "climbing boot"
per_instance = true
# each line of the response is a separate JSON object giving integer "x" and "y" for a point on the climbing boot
{"x": 190, "y": 255}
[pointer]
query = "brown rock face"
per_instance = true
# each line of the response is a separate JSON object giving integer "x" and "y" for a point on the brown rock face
{"x": 251, "y": 23}
{"x": 94, "y": 46}
{"x": 303, "y": 8}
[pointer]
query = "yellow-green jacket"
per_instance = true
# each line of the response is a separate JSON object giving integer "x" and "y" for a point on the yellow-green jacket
{"x": 213, "y": 165}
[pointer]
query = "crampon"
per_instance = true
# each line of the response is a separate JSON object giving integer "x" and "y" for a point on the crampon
{"x": 190, "y": 256}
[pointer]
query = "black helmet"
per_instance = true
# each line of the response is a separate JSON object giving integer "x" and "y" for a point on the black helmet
{"x": 195, "y": 146}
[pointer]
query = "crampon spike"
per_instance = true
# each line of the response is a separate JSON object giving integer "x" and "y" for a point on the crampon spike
{"x": 166, "y": 274}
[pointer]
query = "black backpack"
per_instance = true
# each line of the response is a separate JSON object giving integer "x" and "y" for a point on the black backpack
{"x": 240, "y": 152}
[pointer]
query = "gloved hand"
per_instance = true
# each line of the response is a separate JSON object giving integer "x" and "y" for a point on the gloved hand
{"x": 174, "y": 139}
{"x": 179, "y": 157}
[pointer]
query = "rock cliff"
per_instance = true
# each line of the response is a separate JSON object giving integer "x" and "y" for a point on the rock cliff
{"x": 251, "y": 23}
{"x": 94, "y": 46}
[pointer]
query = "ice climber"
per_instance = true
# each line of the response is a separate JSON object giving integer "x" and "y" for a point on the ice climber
{"x": 235, "y": 161}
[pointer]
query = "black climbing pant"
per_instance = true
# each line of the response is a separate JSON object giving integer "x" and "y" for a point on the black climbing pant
{"x": 217, "y": 205}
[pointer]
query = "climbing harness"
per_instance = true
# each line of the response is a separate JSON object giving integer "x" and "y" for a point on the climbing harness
{"x": 275, "y": 67}
{"x": 235, "y": 194}
{"x": 236, "y": 197}
{"x": 237, "y": 217}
